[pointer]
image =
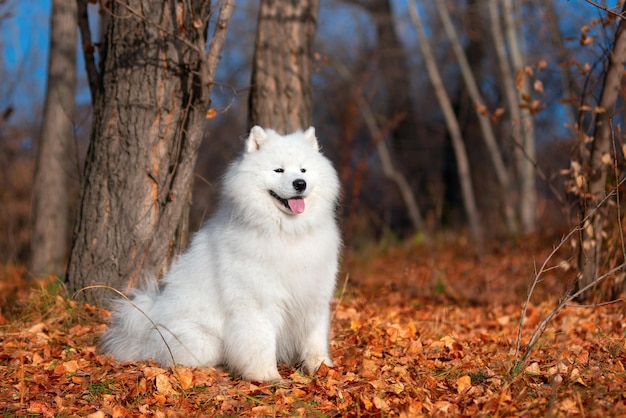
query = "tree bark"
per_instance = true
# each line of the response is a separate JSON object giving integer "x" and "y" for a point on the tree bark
{"x": 593, "y": 209}
{"x": 281, "y": 95}
{"x": 50, "y": 217}
{"x": 465, "y": 177}
{"x": 148, "y": 125}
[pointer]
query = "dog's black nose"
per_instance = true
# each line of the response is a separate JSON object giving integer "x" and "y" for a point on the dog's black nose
{"x": 299, "y": 185}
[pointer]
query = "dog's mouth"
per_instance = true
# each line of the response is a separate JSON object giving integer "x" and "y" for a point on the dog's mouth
{"x": 294, "y": 204}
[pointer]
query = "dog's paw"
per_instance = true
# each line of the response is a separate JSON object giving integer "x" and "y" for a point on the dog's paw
{"x": 311, "y": 364}
{"x": 265, "y": 375}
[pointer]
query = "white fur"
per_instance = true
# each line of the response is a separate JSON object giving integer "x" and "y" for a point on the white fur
{"x": 254, "y": 287}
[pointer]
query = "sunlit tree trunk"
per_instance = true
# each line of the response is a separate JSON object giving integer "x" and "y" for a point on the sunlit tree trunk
{"x": 594, "y": 210}
{"x": 281, "y": 95}
{"x": 49, "y": 240}
{"x": 152, "y": 96}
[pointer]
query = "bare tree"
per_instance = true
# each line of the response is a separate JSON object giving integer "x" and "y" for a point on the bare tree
{"x": 521, "y": 122}
{"x": 462, "y": 161}
{"x": 391, "y": 61}
{"x": 525, "y": 155}
{"x": 488, "y": 135}
{"x": 49, "y": 240}
{"x": 151, "y": 98}
{"x": 593, "y": 193}
{"x": 281, "y": 97}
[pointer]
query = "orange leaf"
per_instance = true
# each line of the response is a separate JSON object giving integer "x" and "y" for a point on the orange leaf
{"x": 463, "y": 383}
{"x": 185, "y": 377}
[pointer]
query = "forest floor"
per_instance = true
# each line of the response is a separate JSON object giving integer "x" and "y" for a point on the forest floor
{"x": 416, "y": 331}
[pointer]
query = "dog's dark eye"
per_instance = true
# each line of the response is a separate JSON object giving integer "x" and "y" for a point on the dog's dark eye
{"x": 279, "y": 170}
{"x": 303, "y": 170}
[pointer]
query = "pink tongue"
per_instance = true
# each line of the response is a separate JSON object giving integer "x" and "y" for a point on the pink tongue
{"x": 296, "y": 205}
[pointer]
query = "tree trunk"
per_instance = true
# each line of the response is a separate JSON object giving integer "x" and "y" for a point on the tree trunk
{"x": 396, "y": 77}
{"x": 148, "y": 125}
{"x": 49, "y": 241}
{"x": 593, "y": 207}
{"x": 462, "y": 161}
{"x": 525, "y": 154}
{"x": 489, "y": 137}
{"x": 281, "y": 95}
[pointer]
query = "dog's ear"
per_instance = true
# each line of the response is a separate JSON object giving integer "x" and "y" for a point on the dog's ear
{"x": 309, "y": 134}
{"x": 257, "y": 138}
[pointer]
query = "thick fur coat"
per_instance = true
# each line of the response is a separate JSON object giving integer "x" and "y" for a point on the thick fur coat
{"x": 254, "y": 287}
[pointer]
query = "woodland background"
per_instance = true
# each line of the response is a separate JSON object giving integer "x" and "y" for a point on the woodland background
{"x": 564, "y": 47}
{"x": 459, "y": 273}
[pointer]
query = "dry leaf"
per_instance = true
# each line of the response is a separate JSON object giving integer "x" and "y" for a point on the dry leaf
{"x": 164, "y": 386}
{"x": 211, "y": 113}
{"x": 533, "y": 369}
{"x": 463, "y": 383}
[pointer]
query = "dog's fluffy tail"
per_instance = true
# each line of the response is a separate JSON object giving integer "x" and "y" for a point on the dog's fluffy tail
{"x": 131, "y": 328}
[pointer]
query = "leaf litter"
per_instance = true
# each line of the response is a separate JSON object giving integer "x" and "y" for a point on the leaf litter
{"x": 417, "y": 332}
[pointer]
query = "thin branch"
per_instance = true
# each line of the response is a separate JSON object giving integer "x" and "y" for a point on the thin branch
{"x": 341, "y": 295}
{"x": 219, "y": 37}
{"x": 565, "y": 301}
{"x": 619, "y": 209}
{"x": 544, "y": 324}
{"x": 154, "y": 325}
{"x": 596, "y": 305}
{"x": 606, "y": 9}
{"x": 95, "y": 86}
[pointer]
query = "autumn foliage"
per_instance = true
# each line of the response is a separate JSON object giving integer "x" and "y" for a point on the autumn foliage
{"x": 416, "y": 332}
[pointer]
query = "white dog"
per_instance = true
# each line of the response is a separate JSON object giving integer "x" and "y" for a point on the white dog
{"x": 254, "y": 287}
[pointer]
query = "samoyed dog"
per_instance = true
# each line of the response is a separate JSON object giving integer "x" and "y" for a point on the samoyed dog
{"x": 254, "y": 287}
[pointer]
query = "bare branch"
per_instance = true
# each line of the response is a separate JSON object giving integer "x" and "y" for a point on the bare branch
{"x": 606, "y": 9}
{"x": 219, "y": 37}
{"x": 568, "y": 298}
{"x": 95, "y": 86}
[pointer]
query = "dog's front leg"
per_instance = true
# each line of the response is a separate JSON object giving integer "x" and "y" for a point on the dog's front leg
{"x": 250, "y": 346}
{"x": 315, "y": 350}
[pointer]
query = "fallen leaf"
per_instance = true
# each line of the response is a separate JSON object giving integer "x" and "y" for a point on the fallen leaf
{"x": 463, "y": 383}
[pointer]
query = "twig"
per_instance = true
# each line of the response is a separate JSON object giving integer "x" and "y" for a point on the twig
{"x": 606, "y": 9}
{"x": 95, "y": 85}
{"x": 155, "y": 326}
{"x": 596, "y": 305}
{"x": 340, "y": 299}
{"x": 619, "y": 209}
{"x": 565, "y": 301}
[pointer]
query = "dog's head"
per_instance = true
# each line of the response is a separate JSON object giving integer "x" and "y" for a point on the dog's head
{"x": 283, "y": 176}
